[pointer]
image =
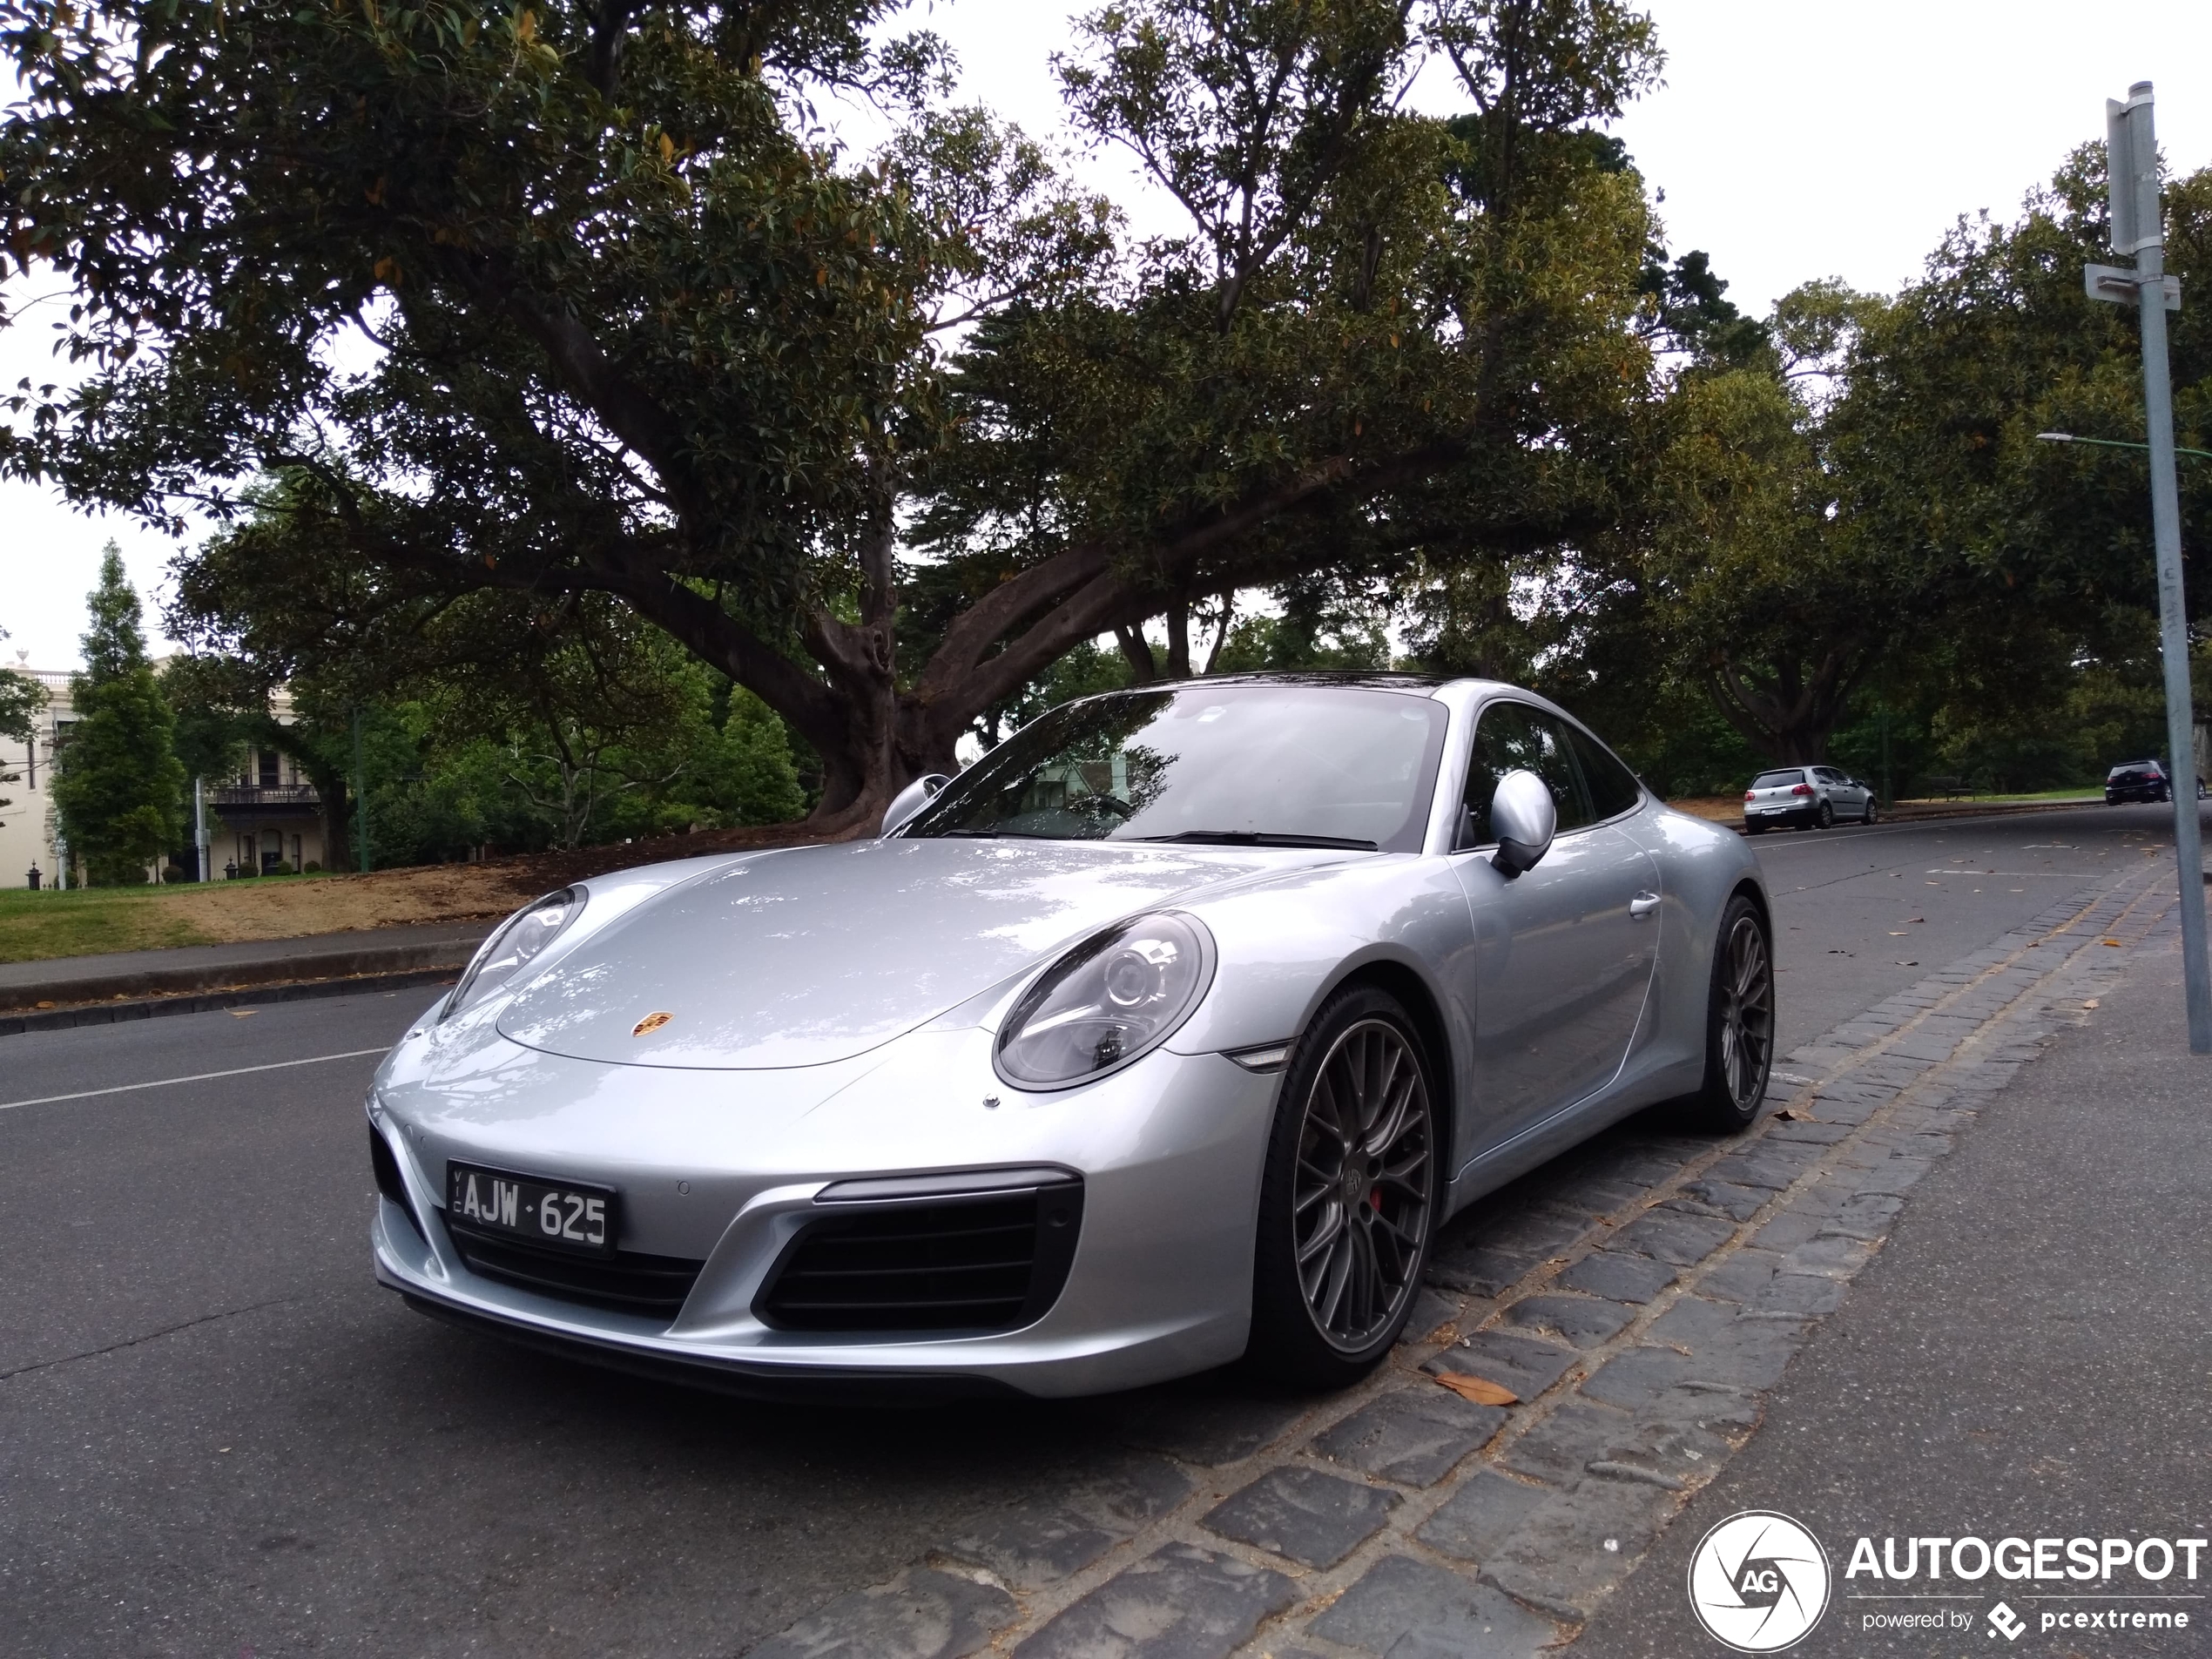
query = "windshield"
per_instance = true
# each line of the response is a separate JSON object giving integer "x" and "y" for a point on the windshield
{"x": 1231, "y": 764}
{"x": 1777, "y": 780}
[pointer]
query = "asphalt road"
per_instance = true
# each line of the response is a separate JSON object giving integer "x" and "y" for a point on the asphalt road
{"x": 1863, "y": 913}
{"x": 218, "y": 1436}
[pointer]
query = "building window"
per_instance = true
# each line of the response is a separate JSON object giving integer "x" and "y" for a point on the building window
{"x": 269, "y": 762}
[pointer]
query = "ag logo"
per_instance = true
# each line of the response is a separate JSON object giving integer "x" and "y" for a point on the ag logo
{"x": 1759, "y": 1581}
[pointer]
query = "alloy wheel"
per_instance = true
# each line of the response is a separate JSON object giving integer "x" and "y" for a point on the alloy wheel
{"x": 1747, "y": 1014}
{"x": 1361, "y": 1192}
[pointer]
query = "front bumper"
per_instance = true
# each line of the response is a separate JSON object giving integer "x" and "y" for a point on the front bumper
{"x": 727, "y": 1166}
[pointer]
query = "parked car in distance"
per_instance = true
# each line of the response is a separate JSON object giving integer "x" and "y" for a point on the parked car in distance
{"x": 1808, "y": 797}
{"x": 2137, "y": 780}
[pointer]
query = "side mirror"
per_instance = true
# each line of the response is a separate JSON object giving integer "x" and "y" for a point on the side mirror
{"x": 911, "y": 800}
{"x": 1523, "y": 818}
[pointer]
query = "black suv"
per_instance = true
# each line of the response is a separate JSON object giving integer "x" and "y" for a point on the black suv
{"x": 2137, "y": 780}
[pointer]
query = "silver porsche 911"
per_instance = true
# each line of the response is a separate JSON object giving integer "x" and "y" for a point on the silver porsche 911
{"x": 1168, "y": 1032}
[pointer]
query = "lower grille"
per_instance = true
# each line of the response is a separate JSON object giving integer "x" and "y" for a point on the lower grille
{"x": 629, "y": 1280}
{"x": 387, "y": 1170}
{"x": 990, "y": 1262}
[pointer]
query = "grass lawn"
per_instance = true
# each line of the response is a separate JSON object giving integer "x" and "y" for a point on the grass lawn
{"x": 34, "y": 925}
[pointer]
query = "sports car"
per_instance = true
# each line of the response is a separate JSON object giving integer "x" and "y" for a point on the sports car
{"x": 1169, "y": 1031}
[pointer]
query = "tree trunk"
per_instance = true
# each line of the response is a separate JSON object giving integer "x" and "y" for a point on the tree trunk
{"x": 1138, "y": 651}
{"x": 337, "y": 816}
{"x": 1786, "y": 712}
{"x": 1179, "y": 640}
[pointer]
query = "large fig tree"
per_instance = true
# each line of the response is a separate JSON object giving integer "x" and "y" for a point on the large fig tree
{"x": 541, "y": 300}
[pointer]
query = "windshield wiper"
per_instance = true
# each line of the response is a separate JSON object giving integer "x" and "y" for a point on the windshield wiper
{"x": 1259, "y": 838}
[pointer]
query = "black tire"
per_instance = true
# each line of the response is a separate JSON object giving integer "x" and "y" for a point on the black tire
{"x": 1333, "y": 1280}
{"x": 1823, "y": 816}
{"x": 1755, "y": 829}
{"x": 1739, "y": 1021}
{"x": 1870, "y": 815}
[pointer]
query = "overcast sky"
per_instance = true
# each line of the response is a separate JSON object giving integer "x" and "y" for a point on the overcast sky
{"x": 1792, "y": 140}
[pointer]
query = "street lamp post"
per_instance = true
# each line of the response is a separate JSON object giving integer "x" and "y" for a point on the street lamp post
{"x": 2131, "y": 159}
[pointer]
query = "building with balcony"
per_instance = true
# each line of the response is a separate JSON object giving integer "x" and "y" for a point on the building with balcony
{"x": 266, "y": 819}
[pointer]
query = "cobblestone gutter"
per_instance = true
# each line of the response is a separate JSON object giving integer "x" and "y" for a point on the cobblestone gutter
{"x": 1637, "y": 1299}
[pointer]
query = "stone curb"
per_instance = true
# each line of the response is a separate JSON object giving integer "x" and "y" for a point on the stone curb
{"x": 351, "y": 961}
{"x": 1927, "y": 814}
{"x": 1641, "y": 1298}
{"x": 155, "y": 1008}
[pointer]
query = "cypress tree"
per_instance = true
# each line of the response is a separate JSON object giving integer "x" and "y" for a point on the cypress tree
{"x": 119, "y": 786}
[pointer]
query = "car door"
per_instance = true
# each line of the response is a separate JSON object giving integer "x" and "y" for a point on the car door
{"x": 1563, "y": 953}
{"x": 1833, "y": 790}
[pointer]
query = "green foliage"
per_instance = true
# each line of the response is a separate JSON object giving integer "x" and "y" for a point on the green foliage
{"x": 22, "y": 700}
{"x": 2050, "y": 616}
{"x": 638, "y": 338}
{"x": 117, "y": 783}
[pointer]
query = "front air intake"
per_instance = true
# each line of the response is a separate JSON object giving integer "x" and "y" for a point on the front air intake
{"x": 628, "y": 1281}
{"x": 386, "y": 1168}
{"x": 887, "y": 1257}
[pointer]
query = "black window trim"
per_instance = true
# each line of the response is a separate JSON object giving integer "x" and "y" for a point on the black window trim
{"x": 1528, "y": 700}
{"x": 1644, "y": 795}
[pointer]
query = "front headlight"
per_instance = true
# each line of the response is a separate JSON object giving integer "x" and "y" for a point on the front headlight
{"x": 1108, "y": 1001}
{"x": 518, "y": 941}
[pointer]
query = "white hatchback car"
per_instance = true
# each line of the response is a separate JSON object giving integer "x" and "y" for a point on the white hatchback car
{"x": 1808, "y": 797}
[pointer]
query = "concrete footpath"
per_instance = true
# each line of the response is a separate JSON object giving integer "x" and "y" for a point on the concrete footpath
{"x": 2029, "y": 1357}
{"x": 81, "y": 990}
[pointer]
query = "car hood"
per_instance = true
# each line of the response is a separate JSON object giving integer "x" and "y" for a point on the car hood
{"x": 812, "y": 955}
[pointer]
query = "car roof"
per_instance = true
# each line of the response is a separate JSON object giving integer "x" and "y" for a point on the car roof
{"x": 1382, "y": 680}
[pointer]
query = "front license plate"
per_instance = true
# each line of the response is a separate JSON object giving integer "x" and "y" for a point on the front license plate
{"x": 557, "y": 1215}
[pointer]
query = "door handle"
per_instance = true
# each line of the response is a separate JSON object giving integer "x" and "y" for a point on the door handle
{"x": 1642, "y": 905}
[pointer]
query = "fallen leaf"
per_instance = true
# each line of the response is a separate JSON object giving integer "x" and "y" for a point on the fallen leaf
{"x": 2115, "y": 943}
{"x": 1785, "y": 1115}
{"x": 1897, "y": 933}
{"x": 1912, "y": 964}
{"x": 243, "y": 1014}
{"x": 2091, "y": 1003}
{"x": 1480, "y": 1390}
{"x": 45, "y": 1005}
{"x": 1443, "y": 1332}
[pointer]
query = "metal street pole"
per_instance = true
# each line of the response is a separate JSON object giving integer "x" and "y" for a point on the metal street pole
{"x": 2132, "y": 162}
{"x": 199, "y": 826}
{"x": 361, "y": 791}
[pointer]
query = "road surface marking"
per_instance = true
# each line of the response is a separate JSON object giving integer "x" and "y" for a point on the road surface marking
{"x": 196, "y": 1077}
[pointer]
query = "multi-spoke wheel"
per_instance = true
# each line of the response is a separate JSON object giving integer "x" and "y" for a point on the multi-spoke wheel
{"x": 1349, "y": 1195}
{"x": 1871, "y": 812}
{"x": 1739, "y": 1033}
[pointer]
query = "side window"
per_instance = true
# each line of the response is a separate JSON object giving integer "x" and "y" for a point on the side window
{"x": 1612, "y": 786}
{"x": 1514, "y": 737}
